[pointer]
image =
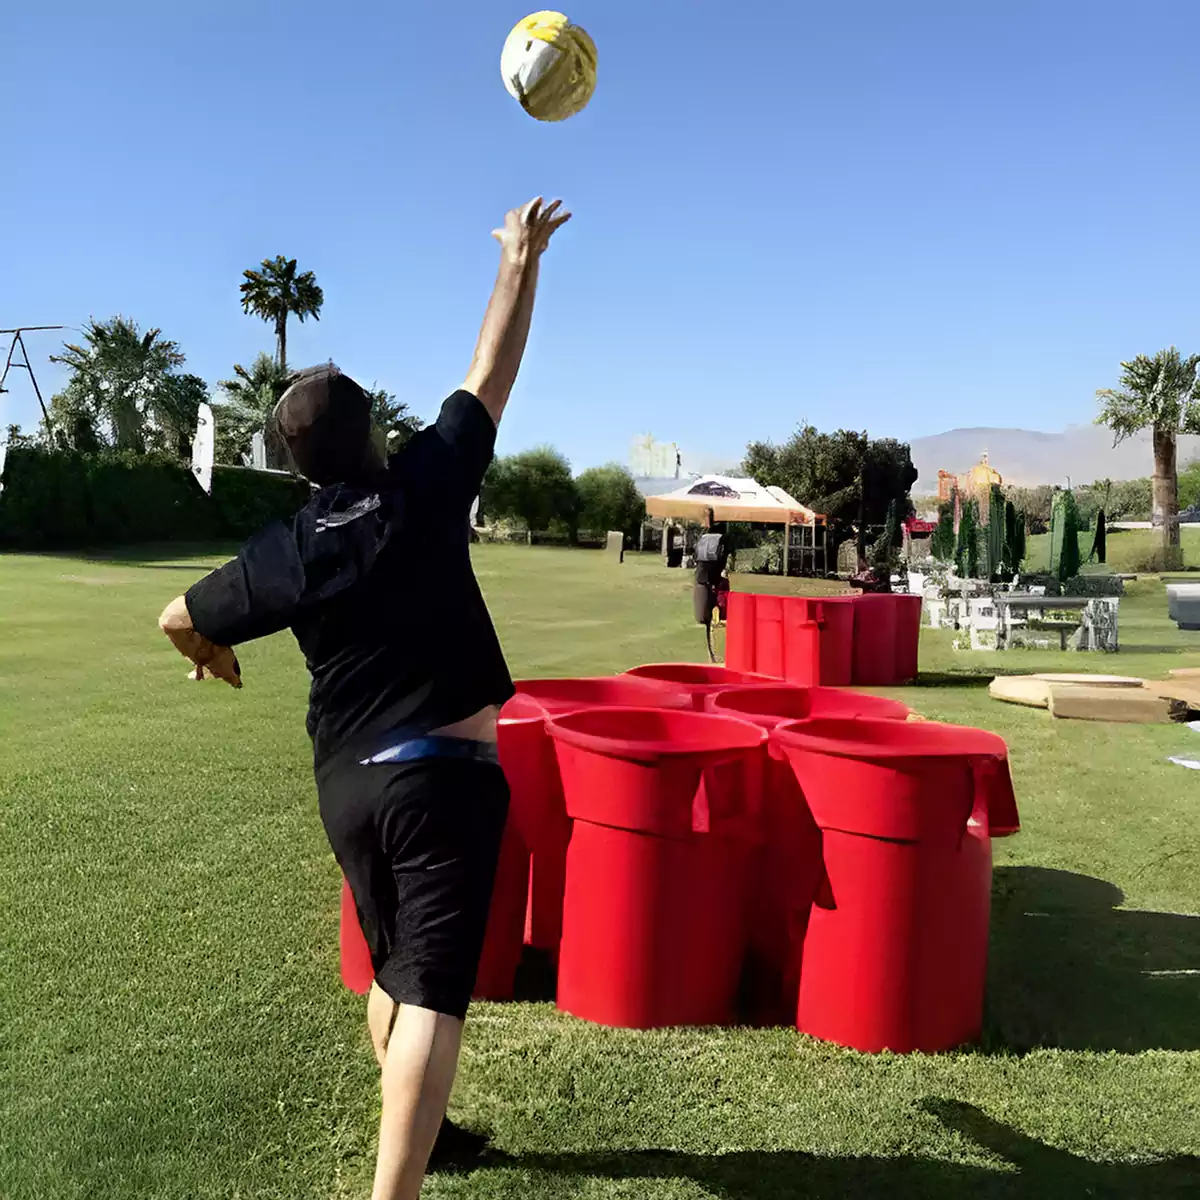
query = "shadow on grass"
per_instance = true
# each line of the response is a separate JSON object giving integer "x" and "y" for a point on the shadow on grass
{"x": 1161, "y": 648}
{"x": 166, "y": 556}
{"x": 1034, "y": 1169}
{"x": 954, "y": 679}
{"x": 1069, "y": 969}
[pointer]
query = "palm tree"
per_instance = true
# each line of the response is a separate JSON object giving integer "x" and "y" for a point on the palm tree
{"x": 247, "y": 404}
{"x": 276, "y": 292}
{"x": 1162, "y": 394}
{"x": 120, "y": 376}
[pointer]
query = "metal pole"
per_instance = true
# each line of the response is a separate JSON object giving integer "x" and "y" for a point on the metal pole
{"x": 17, "y": 339}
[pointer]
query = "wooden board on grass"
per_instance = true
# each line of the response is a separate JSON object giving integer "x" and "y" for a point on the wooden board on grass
{"x": 1028, "y": 690}
{"x": 1126, "y": 705}
{"x": 1115, "y": 681}
{"x": 1184, "y": 691}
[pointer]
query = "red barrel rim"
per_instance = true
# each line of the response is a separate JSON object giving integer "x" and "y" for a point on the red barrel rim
{"x": 846, "y": 738}
{"x": 549, "y": 694}
{"x": 578, "y": 729}
{"x": 696, "y": 675}
{"x": 746, "y": 702}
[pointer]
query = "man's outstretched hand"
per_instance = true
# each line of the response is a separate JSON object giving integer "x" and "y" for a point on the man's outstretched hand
{"x": 527, "y": 230}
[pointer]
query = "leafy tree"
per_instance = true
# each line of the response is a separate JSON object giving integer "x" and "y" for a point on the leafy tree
{"x": 1161, "y": 394}
{"x": 246, "y": 405}
{"x": 535, "y": 487}
{"x": 1130, "y": 500}
{"x": 1189, "y": 485}
{"x": 996, "y": 540}
{"x": 122, "y": 386}
{"x": 941, "y": 545}
{"x": 176, "y": 426}
{"x": 844, "y": 475}
{"x": 883, "y": 550}
{"x": 1100, "y": 541}
{"x": 393, "y": 417}
{"x": 887, "y": 479}
{"x": 966, "y": 556}
{"x": 1036, "y": 503}
{"x": 74, "y": 419}
{"x": 1011, "y": 522}
{"x": 276, "y": 292}
{"x": 1066, "y": 519}
{"x": 14, "y": 439}
{"x": 609, "y": 499}
{"x": 1016, "y": 543}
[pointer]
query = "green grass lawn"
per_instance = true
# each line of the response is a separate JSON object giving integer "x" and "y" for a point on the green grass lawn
{"x": 172, "y": 1024}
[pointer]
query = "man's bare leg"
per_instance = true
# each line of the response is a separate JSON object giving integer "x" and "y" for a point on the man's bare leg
{"x": 419, "y": 1051}
{"x": 381, "y": 1013}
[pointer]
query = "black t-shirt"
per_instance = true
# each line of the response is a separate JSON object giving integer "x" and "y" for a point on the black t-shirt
{"x": 376, "y": 584}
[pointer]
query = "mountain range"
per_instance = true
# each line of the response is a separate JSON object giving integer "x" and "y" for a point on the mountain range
{"x": 1080, "y": 453}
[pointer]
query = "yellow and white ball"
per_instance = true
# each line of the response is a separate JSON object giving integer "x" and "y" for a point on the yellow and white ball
{"x": 549, "y": 66}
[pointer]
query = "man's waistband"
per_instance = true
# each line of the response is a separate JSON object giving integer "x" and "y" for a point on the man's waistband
{"x": 434, "y": 746}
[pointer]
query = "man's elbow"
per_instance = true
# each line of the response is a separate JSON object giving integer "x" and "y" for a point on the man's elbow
{"x": 175, "y": 617}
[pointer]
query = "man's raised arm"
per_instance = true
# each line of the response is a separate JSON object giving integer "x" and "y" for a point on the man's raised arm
{"x": 526, "y": 234}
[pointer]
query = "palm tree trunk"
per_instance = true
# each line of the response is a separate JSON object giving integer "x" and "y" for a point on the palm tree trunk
{"x": 1166, "y": 495}
{"x": 281, "y": 340}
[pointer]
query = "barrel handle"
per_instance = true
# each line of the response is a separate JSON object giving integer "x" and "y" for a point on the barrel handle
{"x": 985, "y": 771}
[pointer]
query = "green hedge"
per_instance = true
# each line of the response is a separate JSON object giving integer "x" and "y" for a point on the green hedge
{"x": 64, "y": 498}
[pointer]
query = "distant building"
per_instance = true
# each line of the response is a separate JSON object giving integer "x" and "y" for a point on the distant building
{"x": 649, "y": 459}
{"x": 975, "y": 484}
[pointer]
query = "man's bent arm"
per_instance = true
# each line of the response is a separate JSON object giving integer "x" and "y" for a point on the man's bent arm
{"x": 176, "y": 623}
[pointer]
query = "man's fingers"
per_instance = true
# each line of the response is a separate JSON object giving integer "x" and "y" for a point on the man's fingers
{"x": 551, "y": 209}
{"x": 560, "y": 221}
{"x": 529, "y": 213}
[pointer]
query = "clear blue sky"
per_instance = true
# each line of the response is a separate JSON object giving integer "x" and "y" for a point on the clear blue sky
{"x": 902, "y": 217}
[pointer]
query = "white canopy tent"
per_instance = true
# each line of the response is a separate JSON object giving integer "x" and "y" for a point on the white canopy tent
{"x": 717, "y": 499}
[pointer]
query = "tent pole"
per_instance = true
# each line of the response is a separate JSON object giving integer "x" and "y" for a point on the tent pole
{"x": 787, "y": 542}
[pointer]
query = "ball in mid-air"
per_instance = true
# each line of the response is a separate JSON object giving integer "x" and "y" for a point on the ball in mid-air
{"x": 549, "y": 65}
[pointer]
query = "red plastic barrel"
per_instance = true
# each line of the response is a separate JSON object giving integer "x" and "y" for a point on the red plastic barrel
{"x": 666, "y": 809}
{"x": 527, "y": 756}
{"x": 538, "y": 813}
{"x": 895, "y": 955}
{"x": 698, "y": 679}
{"x": 608, "y": 691}
{"x": 505, "y": 936}
{"x": 790, "y": 856}
{"x": 834, "y": 616}
{"x": 874, "y": 641}
{"x": 771, "y": 706}
{"x": 357, "y": 968}
{"x": 771, "y": 635}
{"x": 739, "y": 631}
{"x": 908, "y": 636}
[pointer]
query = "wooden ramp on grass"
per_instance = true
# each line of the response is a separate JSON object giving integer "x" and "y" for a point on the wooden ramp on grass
{"x": 1113, "y": 698}
{"x": 1138, "y": 706}
{"x": 1033, "y": 691}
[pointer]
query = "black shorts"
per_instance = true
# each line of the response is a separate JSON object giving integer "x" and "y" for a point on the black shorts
{"x": 418, "y": 843}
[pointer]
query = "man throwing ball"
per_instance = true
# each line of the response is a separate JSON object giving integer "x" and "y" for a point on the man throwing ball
{"x": 405, "y": 695}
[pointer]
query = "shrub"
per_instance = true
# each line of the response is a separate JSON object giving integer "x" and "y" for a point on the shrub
{"x": 67, "y": 498}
